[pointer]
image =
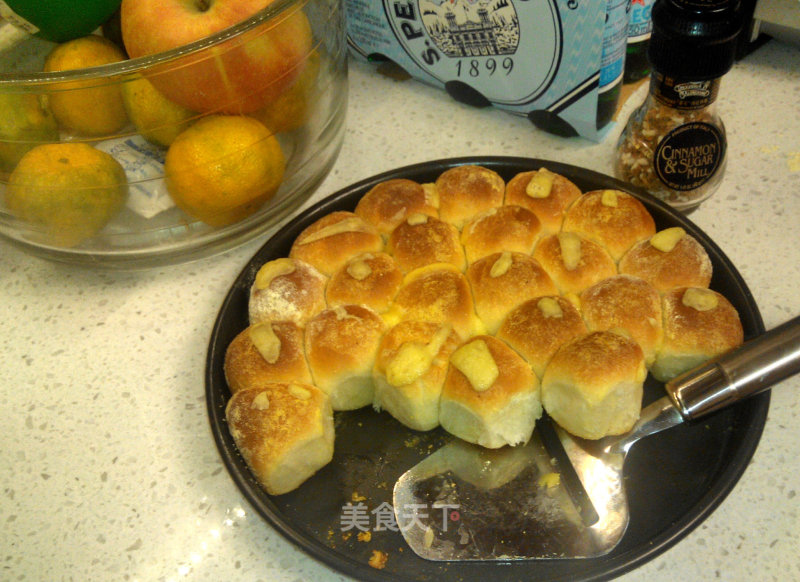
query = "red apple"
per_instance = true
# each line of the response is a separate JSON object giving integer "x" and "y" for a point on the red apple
{"x": 240, "y": 75}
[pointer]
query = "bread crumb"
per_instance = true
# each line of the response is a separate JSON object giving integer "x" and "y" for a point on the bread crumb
{"x": 364, "y": 536}
{"x": 356, "y": 497}
{"x": 412, "y": 442}
{"x": 794, "y": 162}
{"x": 549, "y": 480}
{"x": 378, "y": 559}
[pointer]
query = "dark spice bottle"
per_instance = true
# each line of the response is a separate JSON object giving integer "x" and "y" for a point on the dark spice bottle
{"x": 675, "y": 145}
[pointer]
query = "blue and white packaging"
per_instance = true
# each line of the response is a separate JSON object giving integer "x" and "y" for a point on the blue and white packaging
{"x": 532, "y": 58}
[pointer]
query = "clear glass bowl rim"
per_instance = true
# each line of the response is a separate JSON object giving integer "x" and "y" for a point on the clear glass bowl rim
{"x": 12, "y": 82}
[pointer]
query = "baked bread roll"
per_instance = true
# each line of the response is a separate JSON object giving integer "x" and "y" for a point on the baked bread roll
{"x": 421, "y": 240}
{"x": 266, "y": 352}
{"x": 466, "y": 191}
{"x": 593, "y": 385}
{"x": 284, "y": 432}
{"x": 699, "y": 324}
{"x": 629, "y": 303}
{"x": 331, "y": 241}
{"x": 574, "y": 262}
{"x": 502, "y": 281}
{"x": 545, "y": 193}
{"x": 508, "y": 228}
{"x": 490, "y": 395}
{"x": 440, "y": 294}
{"x": 613, "y": 218}
{"x": 370, "y": 279}
{"x": 410, "y": 369}
{"x": 389, "y": 203}
{"x": 671, "y": 258}
{"x": 538, "y": 327}
{"x": 341, "y": 344}
{"x": 286, "y": 290}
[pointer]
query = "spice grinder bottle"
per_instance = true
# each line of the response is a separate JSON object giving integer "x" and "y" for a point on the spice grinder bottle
{"x": 674, "y": 144}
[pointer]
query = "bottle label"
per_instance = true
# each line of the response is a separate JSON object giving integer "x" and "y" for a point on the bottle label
{"x": 480, "y": 44}
{"x": 640, "y": 23}
{"x": 687, "y": 95}
{"x": 615, "y": 40}
{"x": 7, "y": 13}
{"x": 689, "y": 155}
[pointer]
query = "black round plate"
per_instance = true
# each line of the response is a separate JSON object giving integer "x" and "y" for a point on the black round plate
{"x": 674, "y": 479}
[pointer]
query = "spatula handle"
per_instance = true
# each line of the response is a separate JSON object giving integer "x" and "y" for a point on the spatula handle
{"x": 752, "y": 368}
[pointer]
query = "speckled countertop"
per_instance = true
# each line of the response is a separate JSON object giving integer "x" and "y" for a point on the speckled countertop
{"x": 108, "y": 469}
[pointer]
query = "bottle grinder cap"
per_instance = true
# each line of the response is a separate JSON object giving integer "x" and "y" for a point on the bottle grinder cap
{"x": 694, "y": 40}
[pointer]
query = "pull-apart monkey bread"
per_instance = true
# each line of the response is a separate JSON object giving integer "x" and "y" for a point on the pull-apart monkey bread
{"x": 470, "y": 304}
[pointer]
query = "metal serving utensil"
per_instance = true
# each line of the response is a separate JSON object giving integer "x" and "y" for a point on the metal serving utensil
{"x": 560, "y": 496}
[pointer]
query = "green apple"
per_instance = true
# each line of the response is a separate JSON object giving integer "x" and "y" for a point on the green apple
{"x": 59, "y": 20}
{"x": 25, "y": 122}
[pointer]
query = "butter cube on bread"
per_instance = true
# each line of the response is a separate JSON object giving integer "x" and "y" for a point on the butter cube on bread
{"x": 284, "y": 431}
{"x": 410, "y": 369}
{"x": 490, "y": 395}
{"x": 389, "y": 203}
{"x": 670, "y": 258}
{"x": 699, "y": 324}
{"x": 266, "y": 352}
{"x": 341, "y": 344}
{"x": 612, "y": 218}
{"x": 286, "y": 290}
{"x": 547, "y": 194}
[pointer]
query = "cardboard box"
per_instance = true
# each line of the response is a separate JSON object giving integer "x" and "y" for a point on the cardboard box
{"x": 539, "y": 59}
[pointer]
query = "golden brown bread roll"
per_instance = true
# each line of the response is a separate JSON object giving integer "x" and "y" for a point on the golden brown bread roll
{"x": 545, "y": 193}
{"x": 266, "y": 352}
{"x": 410, "y": 369}
{"x": 332, "y": 240}
{"x": 466, "y": 191}
{"x": 629, "y": 303}
{"x": 613, "y": 218}
{"x": 421, "y": 240}
{"x": 574, "y": 262}
{"x": 284, "y": 432}
{"x": 370, "y": 279}
{"x": 699, "y": 324}
{"x": 286, "y": 290}
{"x": 389, "y": 203}
{"x": 671, "y": 258}
{"x": 593, "y": 385}
{"x": 508, "y": 228}
{"x": 538, "y": 327}
{"x": 490, "y": 395}
{"x": 341, "y": 344}
{"x": 440, "y": 294}
{"x": 502, "y": 281}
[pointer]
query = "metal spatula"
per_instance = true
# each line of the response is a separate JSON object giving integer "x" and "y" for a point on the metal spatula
{"x": 559, "y": 496}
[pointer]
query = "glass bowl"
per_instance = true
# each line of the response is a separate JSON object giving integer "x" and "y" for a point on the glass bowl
{"x": 300, "y": 103}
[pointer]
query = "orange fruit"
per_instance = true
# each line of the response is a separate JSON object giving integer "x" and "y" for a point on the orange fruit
{"x": 25, "y": 121}
{"x": 90, "y": 107}
{"x": 67, "y": 191}
{"x": 223, "y": 168}
{"x": 291, "y": 109}
{"x": 156, "y": 118}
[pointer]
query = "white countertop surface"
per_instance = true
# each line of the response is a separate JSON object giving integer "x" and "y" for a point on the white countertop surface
{"x": 108, "y": 469}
